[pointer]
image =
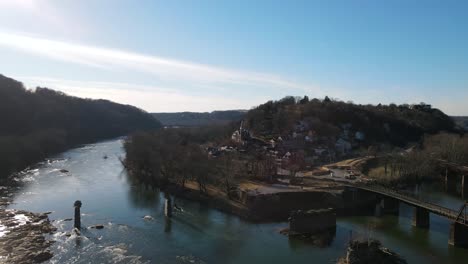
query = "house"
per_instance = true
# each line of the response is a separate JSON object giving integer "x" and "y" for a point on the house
{"x": 283, "y": 172}
{"x": 320, "y": 151}
{"x": 214, "y": 152}
{"x": 342, "y": 146}
{"x": 387, "y": 127}
{"x": 241, "y": 135}
{"x": 226, "y": 149}
{"x": 421, "y": 106}
{"x": 359, "y": 136}
{"x": 310, "y": 159}
{"x": 346, "y": 126}
{"x": 311, "y": 136}
{"x": 296, "y": 134}
{"x": 293, "y": 144}
{"x": 345, "y": 134}
{"x": 278, "y": 162}
{"x": 236, "y": 137}
{"x": 301, "y": 126}
{"x": 272, "y": 143}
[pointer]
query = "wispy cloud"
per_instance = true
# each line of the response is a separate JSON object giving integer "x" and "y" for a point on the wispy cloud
{"x": 20, "y": 4}
{"x": 164, "y": 68}
{"x": 45, "y": 14}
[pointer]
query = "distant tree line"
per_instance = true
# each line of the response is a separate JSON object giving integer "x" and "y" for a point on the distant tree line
{"x": 461, "y": 121}
{"x": 195, "y": 119}
{"x": 393, "y": 124}
{"x": 37, "y": 123}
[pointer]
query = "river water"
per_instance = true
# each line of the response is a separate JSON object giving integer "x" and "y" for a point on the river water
{"x": 197, "y": 234}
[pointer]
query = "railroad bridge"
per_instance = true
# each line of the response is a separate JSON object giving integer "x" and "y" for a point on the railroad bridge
{"x": 389, "y": 203}
{"x": 452, "y": 172}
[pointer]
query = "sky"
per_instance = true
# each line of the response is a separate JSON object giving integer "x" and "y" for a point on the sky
{"x": 170, "y": 56}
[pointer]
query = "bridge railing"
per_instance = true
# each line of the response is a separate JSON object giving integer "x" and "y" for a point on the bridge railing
{"x": 462, "y": 216}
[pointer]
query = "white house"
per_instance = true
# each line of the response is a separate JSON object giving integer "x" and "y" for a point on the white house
{"x": 359, "y": 136}
{"x": 342, "y": 146}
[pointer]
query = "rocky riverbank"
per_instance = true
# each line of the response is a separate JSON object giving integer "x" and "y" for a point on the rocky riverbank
{"x": 362, "y": 252}
{"x": 24, "y": 236}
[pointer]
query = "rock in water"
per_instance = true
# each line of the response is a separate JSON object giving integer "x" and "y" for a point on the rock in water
{"x": 178, "y": 208}
{"x": 42, "y": 256}
{"x": 312, "y": 221}
{"x": 148, "y": 218}
{"x": 361, "y": 252}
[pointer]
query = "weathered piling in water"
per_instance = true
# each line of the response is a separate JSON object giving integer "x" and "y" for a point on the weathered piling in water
{"x": 168, "y": 206}
{"x": 464, "y": 186}
{"x": 77, "y": 206}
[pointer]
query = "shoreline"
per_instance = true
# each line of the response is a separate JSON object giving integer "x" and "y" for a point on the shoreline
{"x": 266, "y": 202}
{"x": 220, "y": 203}
{"x": 269, "y": 207}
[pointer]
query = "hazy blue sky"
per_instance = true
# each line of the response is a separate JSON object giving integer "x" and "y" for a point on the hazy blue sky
{"x": 209, "y": 55}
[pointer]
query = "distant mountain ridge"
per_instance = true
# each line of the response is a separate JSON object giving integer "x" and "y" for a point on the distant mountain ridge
{"x": 42, "y": 122}
{"x": 193, "y": 119}
{"x": 461, "y": 121}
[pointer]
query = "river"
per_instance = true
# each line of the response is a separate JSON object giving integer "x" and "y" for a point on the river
{"x": 197, "y": 234}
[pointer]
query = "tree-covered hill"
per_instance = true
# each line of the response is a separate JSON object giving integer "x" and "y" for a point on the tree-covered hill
{"x": 393, "y": 124}
{"x": 41, "y": 122}
{"x": 192, "y": 119}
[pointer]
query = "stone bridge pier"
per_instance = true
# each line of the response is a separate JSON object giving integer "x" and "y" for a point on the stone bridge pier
{"x": 387, "y": 205}
{"x": 388, "y": 202}
{"x": 458, "y": 235}
{"x": 421, "y": 217}
{"x": 464, "y": 186}
{"x": 450, "y": 182}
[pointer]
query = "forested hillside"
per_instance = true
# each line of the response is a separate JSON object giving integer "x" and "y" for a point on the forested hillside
{"x": 393, "y": 124}
{"x": 37, "y": 123}
{"x": 191, "y": 119}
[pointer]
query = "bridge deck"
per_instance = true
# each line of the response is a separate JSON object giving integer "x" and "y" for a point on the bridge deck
{"x": 453, "y": 166}
{"x": 431, "y": 207}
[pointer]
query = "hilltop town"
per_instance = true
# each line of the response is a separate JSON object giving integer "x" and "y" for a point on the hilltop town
{"x": 302, "y": 143}
{"x": 297, "y": 142}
